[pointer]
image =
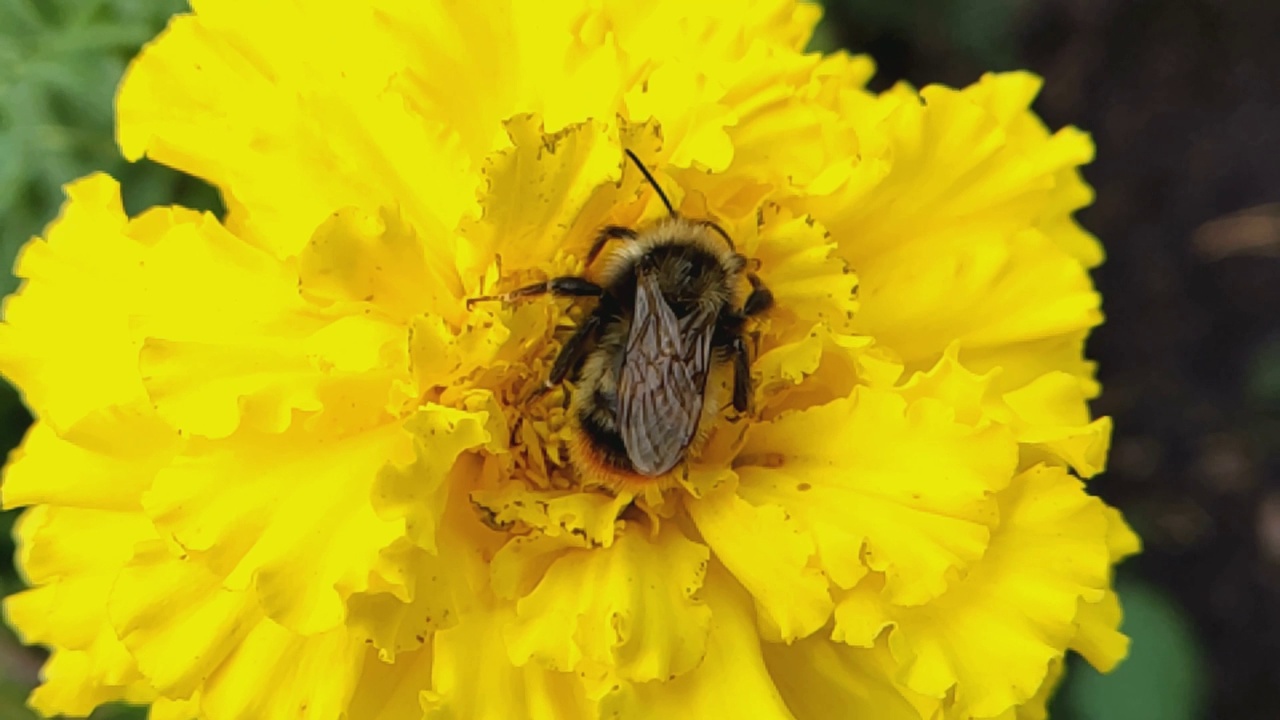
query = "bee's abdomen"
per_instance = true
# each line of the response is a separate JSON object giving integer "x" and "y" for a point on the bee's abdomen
{"x": 606, "y": 447}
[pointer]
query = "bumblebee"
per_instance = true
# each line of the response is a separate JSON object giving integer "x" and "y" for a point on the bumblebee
{"x": 671, "y": 307}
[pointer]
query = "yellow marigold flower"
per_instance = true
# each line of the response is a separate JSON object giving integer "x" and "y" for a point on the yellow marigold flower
{"x": 280, "y": 469}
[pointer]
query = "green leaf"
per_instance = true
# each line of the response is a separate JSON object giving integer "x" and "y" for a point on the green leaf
{"x": 1163, "y": 678}
{"x": 60, "y": 64}
{"x": 20, "y": 16}
{"x": 1264, "y": 375}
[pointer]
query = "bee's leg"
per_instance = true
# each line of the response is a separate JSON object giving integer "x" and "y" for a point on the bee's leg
{"x": 515, "y": 431}
{"x": 607, "y": 233}
{"x": 567, "y": 286}
{"x": 755, "y": 342}
{"x": 571, "y": 353}
{"x": 741, "y": 375}
{"x": 759, "y": 300}
{"x": 575, "y": 348}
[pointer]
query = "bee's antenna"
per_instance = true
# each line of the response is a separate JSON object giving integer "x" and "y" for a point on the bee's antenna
{"x": 654, "y": 183}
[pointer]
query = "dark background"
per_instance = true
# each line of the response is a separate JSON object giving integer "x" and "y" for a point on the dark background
{"x": 1183, "y": 100}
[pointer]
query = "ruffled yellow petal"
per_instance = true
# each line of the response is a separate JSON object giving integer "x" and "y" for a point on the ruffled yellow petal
{"x": 810, "y": 284}
{"x": 537, "y": 189}
{"x": 106, "y": 462}
{"x": 778, "y": 370}
{"x": 1070, "y": 193}
{"x": 72, "y": 556}
{"x": 820, "y": 679}
{"x": 580, "y": 519}
{"x": 967, "y": 393}
{"x": 1051, "y": 414}
{"x": 882, "y": 484}
{"x": 765, "y": 99}
{"x": 271, "y": 347}
{"x": 989, "y": 640}
{"x": 274, "y": 673}
{"x": 731, "y": 681}
{"x": 414, "y": 494}
{"x": 980, "y": 288}
{"x": 177, "y": 652}
{"x": 820, "y": 368}
{"x": 288, "y": 514}
{"x": 1122, "y": 541}
{"x": 779, "y": 96}
{"x": 73, "y": 683}
{"x": 65, "y": 337}
{"x": 165, "y": 709}
{"x": 1022, "y": 363}
{"x": 409, "y": 598}
{"x": 708, "y": 35}
{"x": 219, "y": 642}
{"x": 768, "y": 552}
{"x": 1037, "y": 708}
{"x": 378, "y": 259}
{"x": 987, "y": 223}
{"x": 698, "y": 138}
{"x": 1007, "y": 96}
{"x": 503, "y": 690}
{"x": 1099, "y": 639}
{"x": 629, "y": 607}
{"x": 57, "y": 543}
{"x": 492, "y": 349}
{"x": 52, "y": 615}
{"x": 234, "y": 344}
{"x": 221, "y": 659}
{"x": 553, "y": 61}
{"x": 705, "y": 72}
{"x": 392, "y": 690}
{"x": 88, "y": 557}
{"x": 568, "y": 61}
{"x": 415, "y": 595}
{"x": 954, "y": 164}
{"x": 206, "y": 97}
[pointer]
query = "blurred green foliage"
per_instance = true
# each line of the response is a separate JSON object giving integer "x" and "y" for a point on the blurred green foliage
{"x": 60, "y": 63}
{"x": 1164, "y": 677}
{"x": 982, "y": 30}
{"x": 1264, "y": 376}
{"x": 960, "y": 38}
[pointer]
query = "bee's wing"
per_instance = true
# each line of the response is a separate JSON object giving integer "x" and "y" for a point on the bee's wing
{"x": 664, "y": 373}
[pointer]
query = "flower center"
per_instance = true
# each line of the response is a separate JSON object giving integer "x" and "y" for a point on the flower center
{"x": 537, "y": 411}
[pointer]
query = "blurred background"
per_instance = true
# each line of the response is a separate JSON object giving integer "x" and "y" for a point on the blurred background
{"x": 1183, "y": 100}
